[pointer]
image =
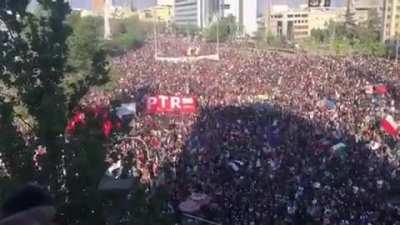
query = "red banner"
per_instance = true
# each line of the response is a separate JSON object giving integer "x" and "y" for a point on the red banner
{"x": 170, "y": 104}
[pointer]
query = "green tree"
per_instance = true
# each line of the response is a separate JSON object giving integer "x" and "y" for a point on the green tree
{"x": 128, "y": 34}
{"x": 87, "y": 65}
{"x": 84, "y": 42}
{"x": 35, "y": 63}
{"x": 225, "y": 29}
{"x": 360, "y": 39}
{"x": 319, "y": 35}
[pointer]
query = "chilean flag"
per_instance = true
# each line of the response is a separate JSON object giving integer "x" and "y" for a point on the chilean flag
{"x": 389, "y": 125}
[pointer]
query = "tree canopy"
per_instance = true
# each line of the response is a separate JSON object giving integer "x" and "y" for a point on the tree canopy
{"x": 225, "y": 29}
{"x": 39, "y": 53}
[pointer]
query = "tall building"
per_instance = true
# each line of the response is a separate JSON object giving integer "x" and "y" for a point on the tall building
{"x": 320, "y": 19}
{"x": 292, "y": 24}
{"x": 363, "y": 8}
{"x": 295, "y": 24}
{"x": 367, "y": 3}
{"x": 391, "y": 21}
{"x": 201, "y": 13}
{"x": 246, "y": 13}
{"x": 198, "y": 13}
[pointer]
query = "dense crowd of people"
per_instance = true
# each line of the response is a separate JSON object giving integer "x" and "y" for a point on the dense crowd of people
{"x": 278, "y": 138}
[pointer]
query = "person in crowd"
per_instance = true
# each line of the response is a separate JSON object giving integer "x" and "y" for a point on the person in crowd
{"x": 277, "y": 139}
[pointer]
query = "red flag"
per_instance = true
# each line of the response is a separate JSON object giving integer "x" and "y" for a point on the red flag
{"x": 389, "y": 125}
{"x": 79, "y": 118}
{"x": 381, "y": 89}
{"x": 107, "y": 128}
{"x": 71, "y": 126}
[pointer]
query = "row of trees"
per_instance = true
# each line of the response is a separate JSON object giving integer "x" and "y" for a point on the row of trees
{"x": 225, "y": 29}
{"x": 49, "y": 66}
{"x": 127, "y": 33}
{"x": 360, "y": 40}
{"x": 50, "y": 59}
{"x": 349, "y": 37}
{"x": 338, "y": 37}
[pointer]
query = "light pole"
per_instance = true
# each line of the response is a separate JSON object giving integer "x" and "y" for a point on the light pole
{"x": 107, "y": 29}
{"x": 397, "y": 48}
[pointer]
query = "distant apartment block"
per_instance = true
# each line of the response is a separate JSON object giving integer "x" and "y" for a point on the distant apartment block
{"x": 295, "y": 24}
{"x": 368, "y": 4}
{"x": 391, "y": 21}
{"x": 245, "y": 13}
{"x": 320, "y": 18}
{"x": 198, "y": 13}
{"x": 201, "y": 13}
{"x": 362, "y": 9}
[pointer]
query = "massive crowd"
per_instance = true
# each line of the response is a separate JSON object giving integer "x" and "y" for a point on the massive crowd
{"x": 278, "y": 139}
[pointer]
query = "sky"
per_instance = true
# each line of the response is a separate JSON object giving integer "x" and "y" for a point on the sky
{"x": 85, "y": 4}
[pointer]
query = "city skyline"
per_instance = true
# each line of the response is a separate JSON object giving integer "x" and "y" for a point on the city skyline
{"x": 141, "y": 4}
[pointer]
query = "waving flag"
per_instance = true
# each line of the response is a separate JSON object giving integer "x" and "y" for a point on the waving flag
{"x": 389, "y": 125}
{"x": 77, "y": 119}
{"x": 107, "y": 128}
{"x": 381, "y": 89}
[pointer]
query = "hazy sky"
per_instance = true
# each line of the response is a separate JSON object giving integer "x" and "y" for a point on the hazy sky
{"x": 85, "y": 4}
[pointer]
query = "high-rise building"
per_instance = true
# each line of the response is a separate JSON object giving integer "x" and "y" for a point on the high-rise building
{"x": 295, "y": 24}
{"x": 360, "y": 11}
{"x": 246, "y": 13}
{"x": 202, "y": 13}
{"x": 199, "y": 13}
{"x": 391, "y": 21}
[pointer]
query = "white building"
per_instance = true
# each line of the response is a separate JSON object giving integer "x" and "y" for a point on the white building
{"x": 201, "y": 13}
{"x": 296, "y": 24}
{"x": 246, "y": 13}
